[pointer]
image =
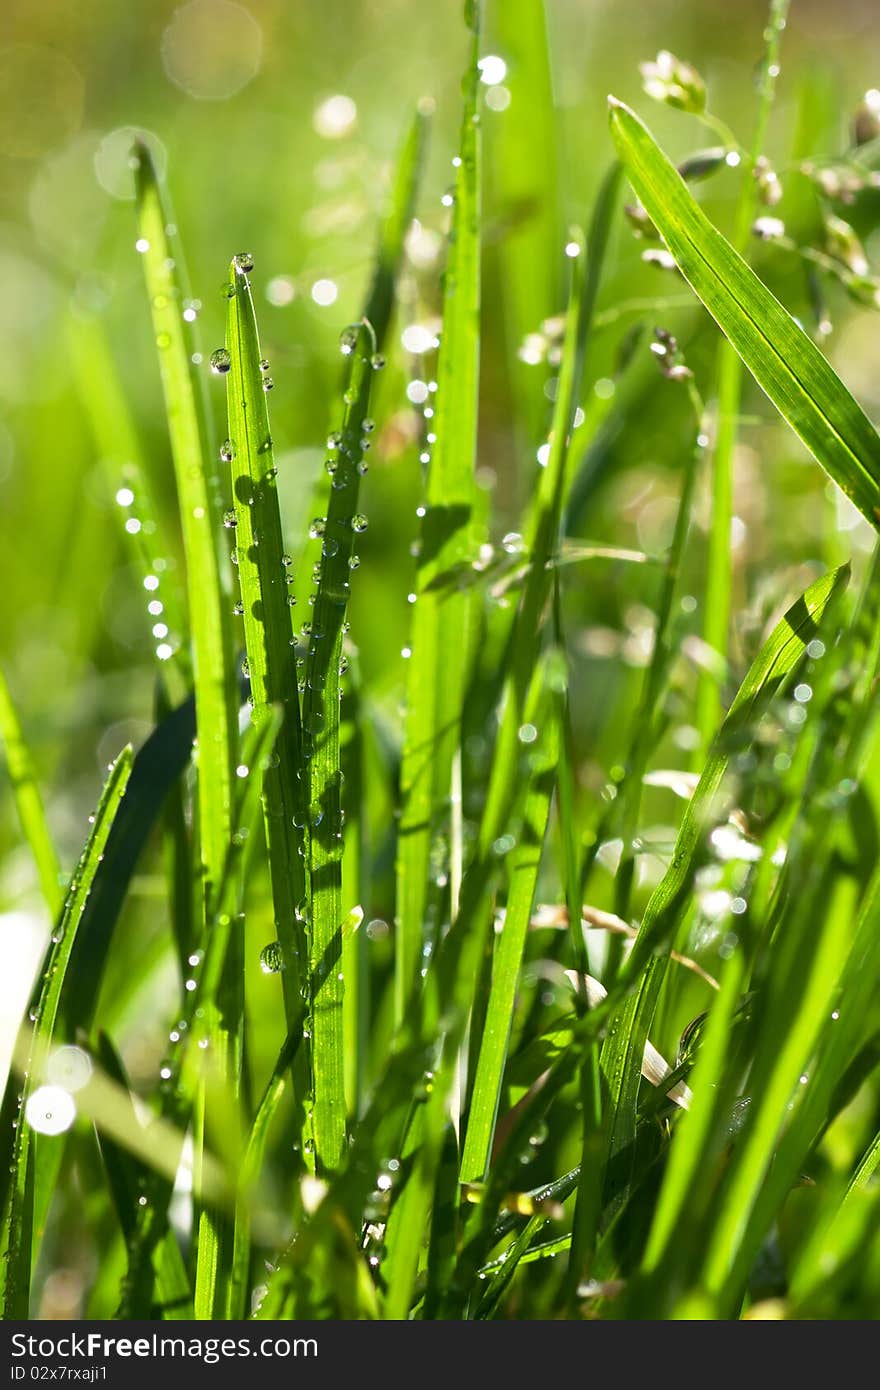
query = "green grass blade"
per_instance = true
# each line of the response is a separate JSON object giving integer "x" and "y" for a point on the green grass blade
{"x": 321, "y": 718}
{"x": 34, "y": 1048}
{"x": 523, "y": 865}
{"x": 716, "y": 620}
{"x": 28, "y": 801}
{"x": 439, "y": 640}
{"x": 395, "y": 225}
{"x": 263, "y": 576}
{"x": 198, "y": 490}
{"x": 624, "y": 1046}
{"x": 783, "y": 360}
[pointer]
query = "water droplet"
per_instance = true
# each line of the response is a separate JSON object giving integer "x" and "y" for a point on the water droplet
{"x": 330, "y": 547}
{"x": 268, "y": 383}
{"x": 233, "y": 555}
{"x": 220, "y": 361}
{"x": 359, "y": 522}
{"x": 377, "y": 361}
{"x": 368, "y": 426}
{"x": 348, "y": 339}
{"x": 238, "y": 609}
{"x": 230, "y": 519}
{"x": 227, "y": 451}
{"x": 334, "y": 440}
{"x": 354, "y": 562}
{"x": 271, "y": 958}
{"x": 243, "y": 262}
{"x": 330, "y": 466}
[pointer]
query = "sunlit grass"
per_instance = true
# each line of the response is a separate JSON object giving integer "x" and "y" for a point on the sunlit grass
{"x": 532, "y": 974}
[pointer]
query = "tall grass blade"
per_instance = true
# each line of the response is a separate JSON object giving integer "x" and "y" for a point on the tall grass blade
{"x": 440, "y": 631}
{"x": 16, "y": 1232}
{"x": 198, "y": 488}
{"x": 784, "y": 361}
{"x": 716, "y": 622}
{"x": 263, "y": 570}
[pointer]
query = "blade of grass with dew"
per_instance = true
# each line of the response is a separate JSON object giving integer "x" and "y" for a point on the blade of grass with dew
{"x": 28, "y": 801}
{"x": 269, "y": 641}
{"x": 457, "y": 965}
{"x": 198, "y": 490}
{"x": 716, "y": 608}
{"x": 520, "y": 657}
{"x": 439, "y": 640}
{"x": 624, "y": 1045}
{"x": 782, "y": 358}
{"x": 321, "y": 718}
{"x": 16, "y": 1233}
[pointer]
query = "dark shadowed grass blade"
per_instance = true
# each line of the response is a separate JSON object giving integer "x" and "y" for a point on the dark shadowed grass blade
{"x": 28, "y": 801}
{"x": 198, "y": 490}
{"x": 17, "y": 1207}
{"x": 782, "y": 358}
{"x": 623, "y": 1048}
{"x": 450, "y": 529}
{"x": 263, "y": 570}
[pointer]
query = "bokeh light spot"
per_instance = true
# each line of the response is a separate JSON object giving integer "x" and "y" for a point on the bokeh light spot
{"x": 212, "y": 48}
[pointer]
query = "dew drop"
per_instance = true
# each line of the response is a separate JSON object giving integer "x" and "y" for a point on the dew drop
{"x": 220, "y": 361}
{"x": 359, "y": 522}
{"x": 271, "y": 959}
{"x": 227, "y": 451}
{"x": 243, "y": 262}
{"x": 318, "y": 527}
{"x": 230, "y": 520}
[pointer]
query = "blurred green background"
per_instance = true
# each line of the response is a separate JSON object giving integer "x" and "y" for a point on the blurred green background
{"x": 277, "y": 125}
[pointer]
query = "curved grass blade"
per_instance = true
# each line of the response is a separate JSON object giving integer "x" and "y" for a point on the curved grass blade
{"x": 17, "y": 1209}
{"x": 158, "y": 765}
{"x": 198, "y": 489}
{"x": 28, "y": 801}
{"x": 623, "y": 1048}
{"x": 782, "y": 358}
{"x": 440, "y": 632}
